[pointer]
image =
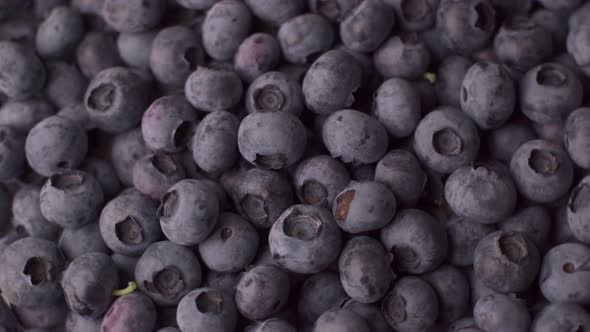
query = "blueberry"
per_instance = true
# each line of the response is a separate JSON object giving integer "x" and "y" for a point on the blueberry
{"x": 578, "y": 208}
{"x": 417, "y": 241}
{"x": 258, "y": 54}
{"x": 275, "y": 12}
{"x": 272, "y": 325}
{"x": 188, "y": 212}
{"x": 330, "y": 82}
{"x": 478, "y": 288}
{"x": 488, "y": 95}
{"x": 88, "y": 284}
{"x": 12, "y": 153}
{"x": 274, "y": 91}
{"x": 60, "y": 32}
{"x": 466, "y": 26}
{"x": 71, "y": 198}
{"x": 54, "y": 144}
{"x": 304, "y": 37}
{"x": 366, "y": 26}
{"x": 24, "y": 115}
{"x": 231, "y": 246}
{"x": 364, "y": 206}
{"x": 521, "y": 43}
{"x": 74, "y": 242}
{"x": 576, "y": 45}
{"x": 506, "y": 261}
{"x": 154, "y": 174}
{"x": 415, "y": 15}
{"x": 135, "y": 48}
{"x": 126, "y": 149}
{"x": 224, "y": 281}
{"x": 197, "y": 4}
{"x": 132, "y": 312}
{"x": 96, "y": 52}
{"x": 317, "y": 180}
{"x": 343, "y": 320}
{"x": 271, "y": 140}
{"x": 26, "y": 76}
{"x": 305, "y": 239}
{"x": 562, "y": 6}
{"x": 533, "y": 221}
{"x": 116, "y": 99}
{"x": 449, "y": 77}
{"x": 563, "y": 274}
{"x": 561, "y": 232}
{"x": 175, "y": 53}
{"x": 466, "y": 324}
{"x": 26, "y": 211}
{"x": 320, "y": 292}
{"x": 552, "y": 22}
{"x": 354, "y": 137}
{"x": 542, "y": 171}
{"x": 403, "y": 56}
{"x": 209, "y": 89}
{"x": 505, "y": 140}
{"x": 577, "y": 143}
{"x": 549, "y": 92}
{"x": 77, "y": 114}
{"x": 133, "y": 15}
{"x": 227, "y": 23}
{"x": 364, "y": 269}
{"x": 31, "y": 272}
{"x": 262, "y": 292}
{"x": 215, "y": 143}
{"x": 207, "y": 309}
{"x": 400, "y": 172}
{"x": 561, "y": 317}
{"x": 75, "y": 322}
{"x": 334, "y": 10}
{"x": 65, "y": 84}
{"x": 396, "y": 105}
{"x": 371, "y": 313}
{"x": 42, "y": 318}
{"x": 484, "y": 192}
{"x": 105, "y": 174}
{"x": 410, "y": 305}
{"x": 166, "y": 272}
{"x": 128, "y": 223}
{"x": 499, "y": 312}
{"x": 258, "y": 195}
{"x": 452, "y": 289}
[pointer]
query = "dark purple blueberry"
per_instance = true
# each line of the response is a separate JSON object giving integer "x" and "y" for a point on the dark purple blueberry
{"x": 214, "y": 145}
{"x": 364, "y": 206}
{"x": 65, "y": 84}
{"x": 133, "y": 15}
{"x": 262, "y": 292}
{"x": 41, "y": 318}
{"x": 463, "y": 237}
{"x": 317, "y": 180}
{"x": 552, "y": 22}
{"x": 416, "y": 240}
{"x": 226, "y": 25}
{"x": 97, "y": 52}
{"x": 60, "y": 32}
{"x": 542, "y": 171}
{"x": 400, "y": 172}
{"x": 24, "y": 115}
{"x": 272, "y": 325}
{"x": 410, "y": 305}
{"x": 154, "y": 174}
{"x": 343, "y": 320}
{"x": 209, "y": 89}
{"x": 549, "y": 92}
{"x": 466, "y": 324}
{"x": 128, "y": 223}
{"x": 224, "y": 281}
{"x": 304, "y": 37}
{"x": 175, "y": 53}
{"x": 207, "y": 309}
{"x": 188, "y": 212}
{"x": 166, "y": 272}
{"x": 330, "y": 82}
{"x": 105, "y": 174}
{"x": 258, "y": 54}
{"x": 334, "y": 10}
{"x": 26, "y": 76}
{"x": 365, "y": 270}
{"x": 132, "y": 312}
{"x": 449, "y": 77}
{"x": 12, "y": 153}
{"x": 116, "y": 99}
{"x": 366, "y": 26}
{"x": 55, "y": 144}
{"x": 578, "y": 210}
{"x": 452, "y": 289}
{"x": 577, "y": 46}
{"x": 446, "y": 139}
{"x": 561, "y": 317}
{"x": 505, "y": 140}
{"x": 274, "y": 91}
{"x": 305, "y": 239}
{"x": 231, "y": 246}
{"x": 126, "y": 149}
{"x": 396, "y": 104}
{"x": 75, "y": 322}
{"x": 564, "y": 276}
{"x": 32, "y": 269}
{"x": 71, "y": 198}
{"x": 500, "y": 312}
{"x": 88, "y": 284}
{"x": 74, "y": 242}
{"x": 77, "y": 114}
{"x": 415, "y": 15}
{"x": 403, "y": 56}
{"x": 275, "y": 12}
{"x": 488, "y": 95}
{"x": 318, "y": 293}
{"x": 577, "y": 136}
{"x": 135, "y": 48}
{"x": 533, "y": 221}
{"x": 27, "y": 216}
{"x": 506, "y": 261}
{"x": 371, "y": 313}
{"x": 563, "y": 6}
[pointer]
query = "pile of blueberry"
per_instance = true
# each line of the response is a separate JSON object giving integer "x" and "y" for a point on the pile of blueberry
{"x": 295, "y": 165}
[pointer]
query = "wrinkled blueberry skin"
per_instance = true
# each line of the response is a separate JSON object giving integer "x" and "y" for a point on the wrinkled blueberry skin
{"x": 134, "y": 312}
{"x": 207, "y": 309}
{"x": 305, "y": 239}
{"x": 500, "y": 312}
{"x": 88, "y": 284}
